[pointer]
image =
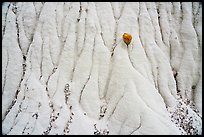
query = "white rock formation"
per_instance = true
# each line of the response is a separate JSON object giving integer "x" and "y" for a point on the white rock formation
{"x": 66, "y": 69}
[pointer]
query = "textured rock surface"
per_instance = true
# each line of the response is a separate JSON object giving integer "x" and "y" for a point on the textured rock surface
{"x": 66, "y": 70}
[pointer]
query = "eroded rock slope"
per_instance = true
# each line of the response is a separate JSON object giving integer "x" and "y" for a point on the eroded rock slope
{"x": 66, "y": 69}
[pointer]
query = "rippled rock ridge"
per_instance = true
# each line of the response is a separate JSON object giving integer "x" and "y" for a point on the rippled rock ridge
{"x": 66, "y": 69}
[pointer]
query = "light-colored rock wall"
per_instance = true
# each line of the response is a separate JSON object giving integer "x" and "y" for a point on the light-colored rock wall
{"x": 66, "y": 69}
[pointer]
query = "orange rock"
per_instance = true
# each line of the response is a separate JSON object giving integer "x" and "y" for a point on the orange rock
{"x": 127, "y": 38}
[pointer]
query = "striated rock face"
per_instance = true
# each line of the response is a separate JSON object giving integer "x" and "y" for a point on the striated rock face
{"x": 66, "y": 69}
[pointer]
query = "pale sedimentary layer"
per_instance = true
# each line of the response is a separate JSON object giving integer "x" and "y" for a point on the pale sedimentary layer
{"x": 66, "y": 70}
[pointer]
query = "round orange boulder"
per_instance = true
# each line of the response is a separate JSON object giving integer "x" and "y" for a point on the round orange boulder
{"x": 127, "y": 38}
